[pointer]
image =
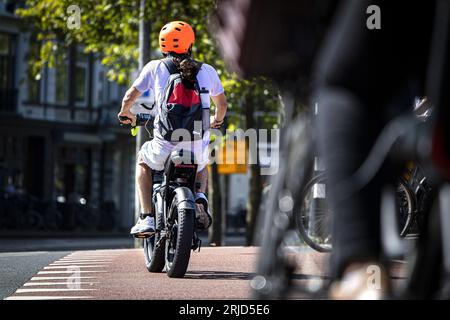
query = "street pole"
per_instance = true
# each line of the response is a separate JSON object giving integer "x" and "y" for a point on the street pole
{"x": 144, "y": 57}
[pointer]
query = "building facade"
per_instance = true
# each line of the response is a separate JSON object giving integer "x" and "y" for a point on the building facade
{"x": 59, "y": 137}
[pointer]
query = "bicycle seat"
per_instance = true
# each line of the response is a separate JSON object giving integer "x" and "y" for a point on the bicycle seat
{"x": 180, "y": 158}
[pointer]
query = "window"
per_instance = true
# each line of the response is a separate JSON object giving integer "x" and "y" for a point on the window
{"x": 72, "y": 174}
{"x": 4, "y": 44}
{"x": 7, "y": 66}
{"x": 34, "y": 85}
{"x": 6, "y": 61}
{"x": 10, "y": 6}
{"x": 105, "y": 89}
{"x": 101, "y": 88}
{"x": 81, "y": 78}
{"x": 34, "y": 88}
{"x": 61, "y": 76}
{"x": 80, "y": 84}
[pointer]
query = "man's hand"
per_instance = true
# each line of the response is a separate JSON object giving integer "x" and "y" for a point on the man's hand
{"x": 215, "y": 124}
{"x": 129, "y": 115}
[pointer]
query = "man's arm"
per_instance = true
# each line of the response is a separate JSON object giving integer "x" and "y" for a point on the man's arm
{"x": 127, "y": 102}
{"x": 220, "y": 101}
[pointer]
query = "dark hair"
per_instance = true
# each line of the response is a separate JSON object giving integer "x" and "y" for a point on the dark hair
{"x": 187, "y": 66}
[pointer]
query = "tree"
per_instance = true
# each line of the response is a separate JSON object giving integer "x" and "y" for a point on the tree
{"x": 110, "y": 28}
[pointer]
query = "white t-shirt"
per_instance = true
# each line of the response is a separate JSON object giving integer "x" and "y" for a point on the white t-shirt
{"x": 154, "y": 77}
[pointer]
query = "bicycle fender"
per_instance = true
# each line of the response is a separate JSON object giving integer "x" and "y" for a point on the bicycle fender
{"x": 185, "y": 198}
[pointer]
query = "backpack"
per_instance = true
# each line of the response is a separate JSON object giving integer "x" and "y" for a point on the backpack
{"x": 181, "y": 107}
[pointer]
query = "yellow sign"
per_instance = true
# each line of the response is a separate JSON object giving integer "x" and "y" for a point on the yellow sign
{"x": 232, "y": 158}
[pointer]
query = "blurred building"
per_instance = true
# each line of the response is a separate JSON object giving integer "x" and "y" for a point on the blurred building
{"x": 59, "y": 137}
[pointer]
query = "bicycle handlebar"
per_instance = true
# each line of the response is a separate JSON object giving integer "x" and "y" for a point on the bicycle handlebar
{"x": 141, "y": 119}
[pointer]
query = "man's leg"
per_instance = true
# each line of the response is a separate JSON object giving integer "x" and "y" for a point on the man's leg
{"x": 204, "y": 219}
{"x": 146, "y": 224}
{"x": 144, "y": 186}
{"x": 202, "y": 179}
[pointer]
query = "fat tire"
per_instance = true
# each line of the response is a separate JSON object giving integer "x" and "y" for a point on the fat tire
{"x": 185, "y": 218}
{"x": 155, "y": 257}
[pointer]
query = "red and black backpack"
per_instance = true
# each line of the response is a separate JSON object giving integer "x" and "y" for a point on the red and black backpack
{"x": 181, "y": 107}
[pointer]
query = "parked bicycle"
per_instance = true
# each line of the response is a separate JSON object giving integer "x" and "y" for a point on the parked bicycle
{"x": 313, "y": 220}
{"x": 429, "y": 258}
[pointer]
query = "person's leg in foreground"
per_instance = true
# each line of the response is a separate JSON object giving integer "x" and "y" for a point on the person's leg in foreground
{"x": 360, "y": 72}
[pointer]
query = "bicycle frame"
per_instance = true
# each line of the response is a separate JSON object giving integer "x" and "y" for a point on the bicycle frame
{"x": 178, "y": 178}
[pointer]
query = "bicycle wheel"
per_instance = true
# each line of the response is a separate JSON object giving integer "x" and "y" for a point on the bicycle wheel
{"x": 313, "y": 220}
{"x": 276, "y": 260}
{"x": 154, "y": 247}
{"x": 179, "y": 239}
{"x": 424, "y": 193}
{"x": 406, "y": 204}
{"x": 426, "y": 264}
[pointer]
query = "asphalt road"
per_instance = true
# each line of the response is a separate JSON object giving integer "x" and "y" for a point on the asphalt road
{"x": 16, "y": 268}
{"x": 16, "y": 244}
{"x": 217, "y": 273}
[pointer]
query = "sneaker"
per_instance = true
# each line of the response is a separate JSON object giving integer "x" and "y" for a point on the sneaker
{"x": 204, "y": 219}
{"x": 144, "y": 227}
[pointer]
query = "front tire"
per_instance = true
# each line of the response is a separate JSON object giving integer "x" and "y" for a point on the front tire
{"x": 406, "y": 205}
{"x": 179, "y": 243}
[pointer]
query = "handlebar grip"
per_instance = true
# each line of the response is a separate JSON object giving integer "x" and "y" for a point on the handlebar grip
{"x": 141, "y": 119}
{"x": 123, "y": 118}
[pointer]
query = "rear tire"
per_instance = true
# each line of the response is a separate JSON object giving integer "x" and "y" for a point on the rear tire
{"x": 154, "y": 257}
{"x": 179, "y": 244}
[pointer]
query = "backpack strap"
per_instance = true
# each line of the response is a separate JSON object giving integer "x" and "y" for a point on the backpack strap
{"x": 196, "y": 80}
{"x": 170, "y": 65}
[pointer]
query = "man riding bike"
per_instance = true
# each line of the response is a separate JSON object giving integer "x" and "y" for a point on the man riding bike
{"x": 176, "y": 40}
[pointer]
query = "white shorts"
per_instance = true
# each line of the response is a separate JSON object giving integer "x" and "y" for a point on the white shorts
{"x": 154, "y": 153}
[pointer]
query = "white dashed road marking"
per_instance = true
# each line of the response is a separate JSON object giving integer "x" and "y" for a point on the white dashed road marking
{"x": 75, "y": 265}
{"x": 60, "y": 277}
{"x": 40, "y": 283}
{"x": 47, "y": 297}
{"x": 80, "y": 263}
{"x": 50, "y": 290}
{"x": 70, "y": 271}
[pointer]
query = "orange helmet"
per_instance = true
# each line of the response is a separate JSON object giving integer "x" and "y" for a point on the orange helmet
{"x": 176, "y": 36}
